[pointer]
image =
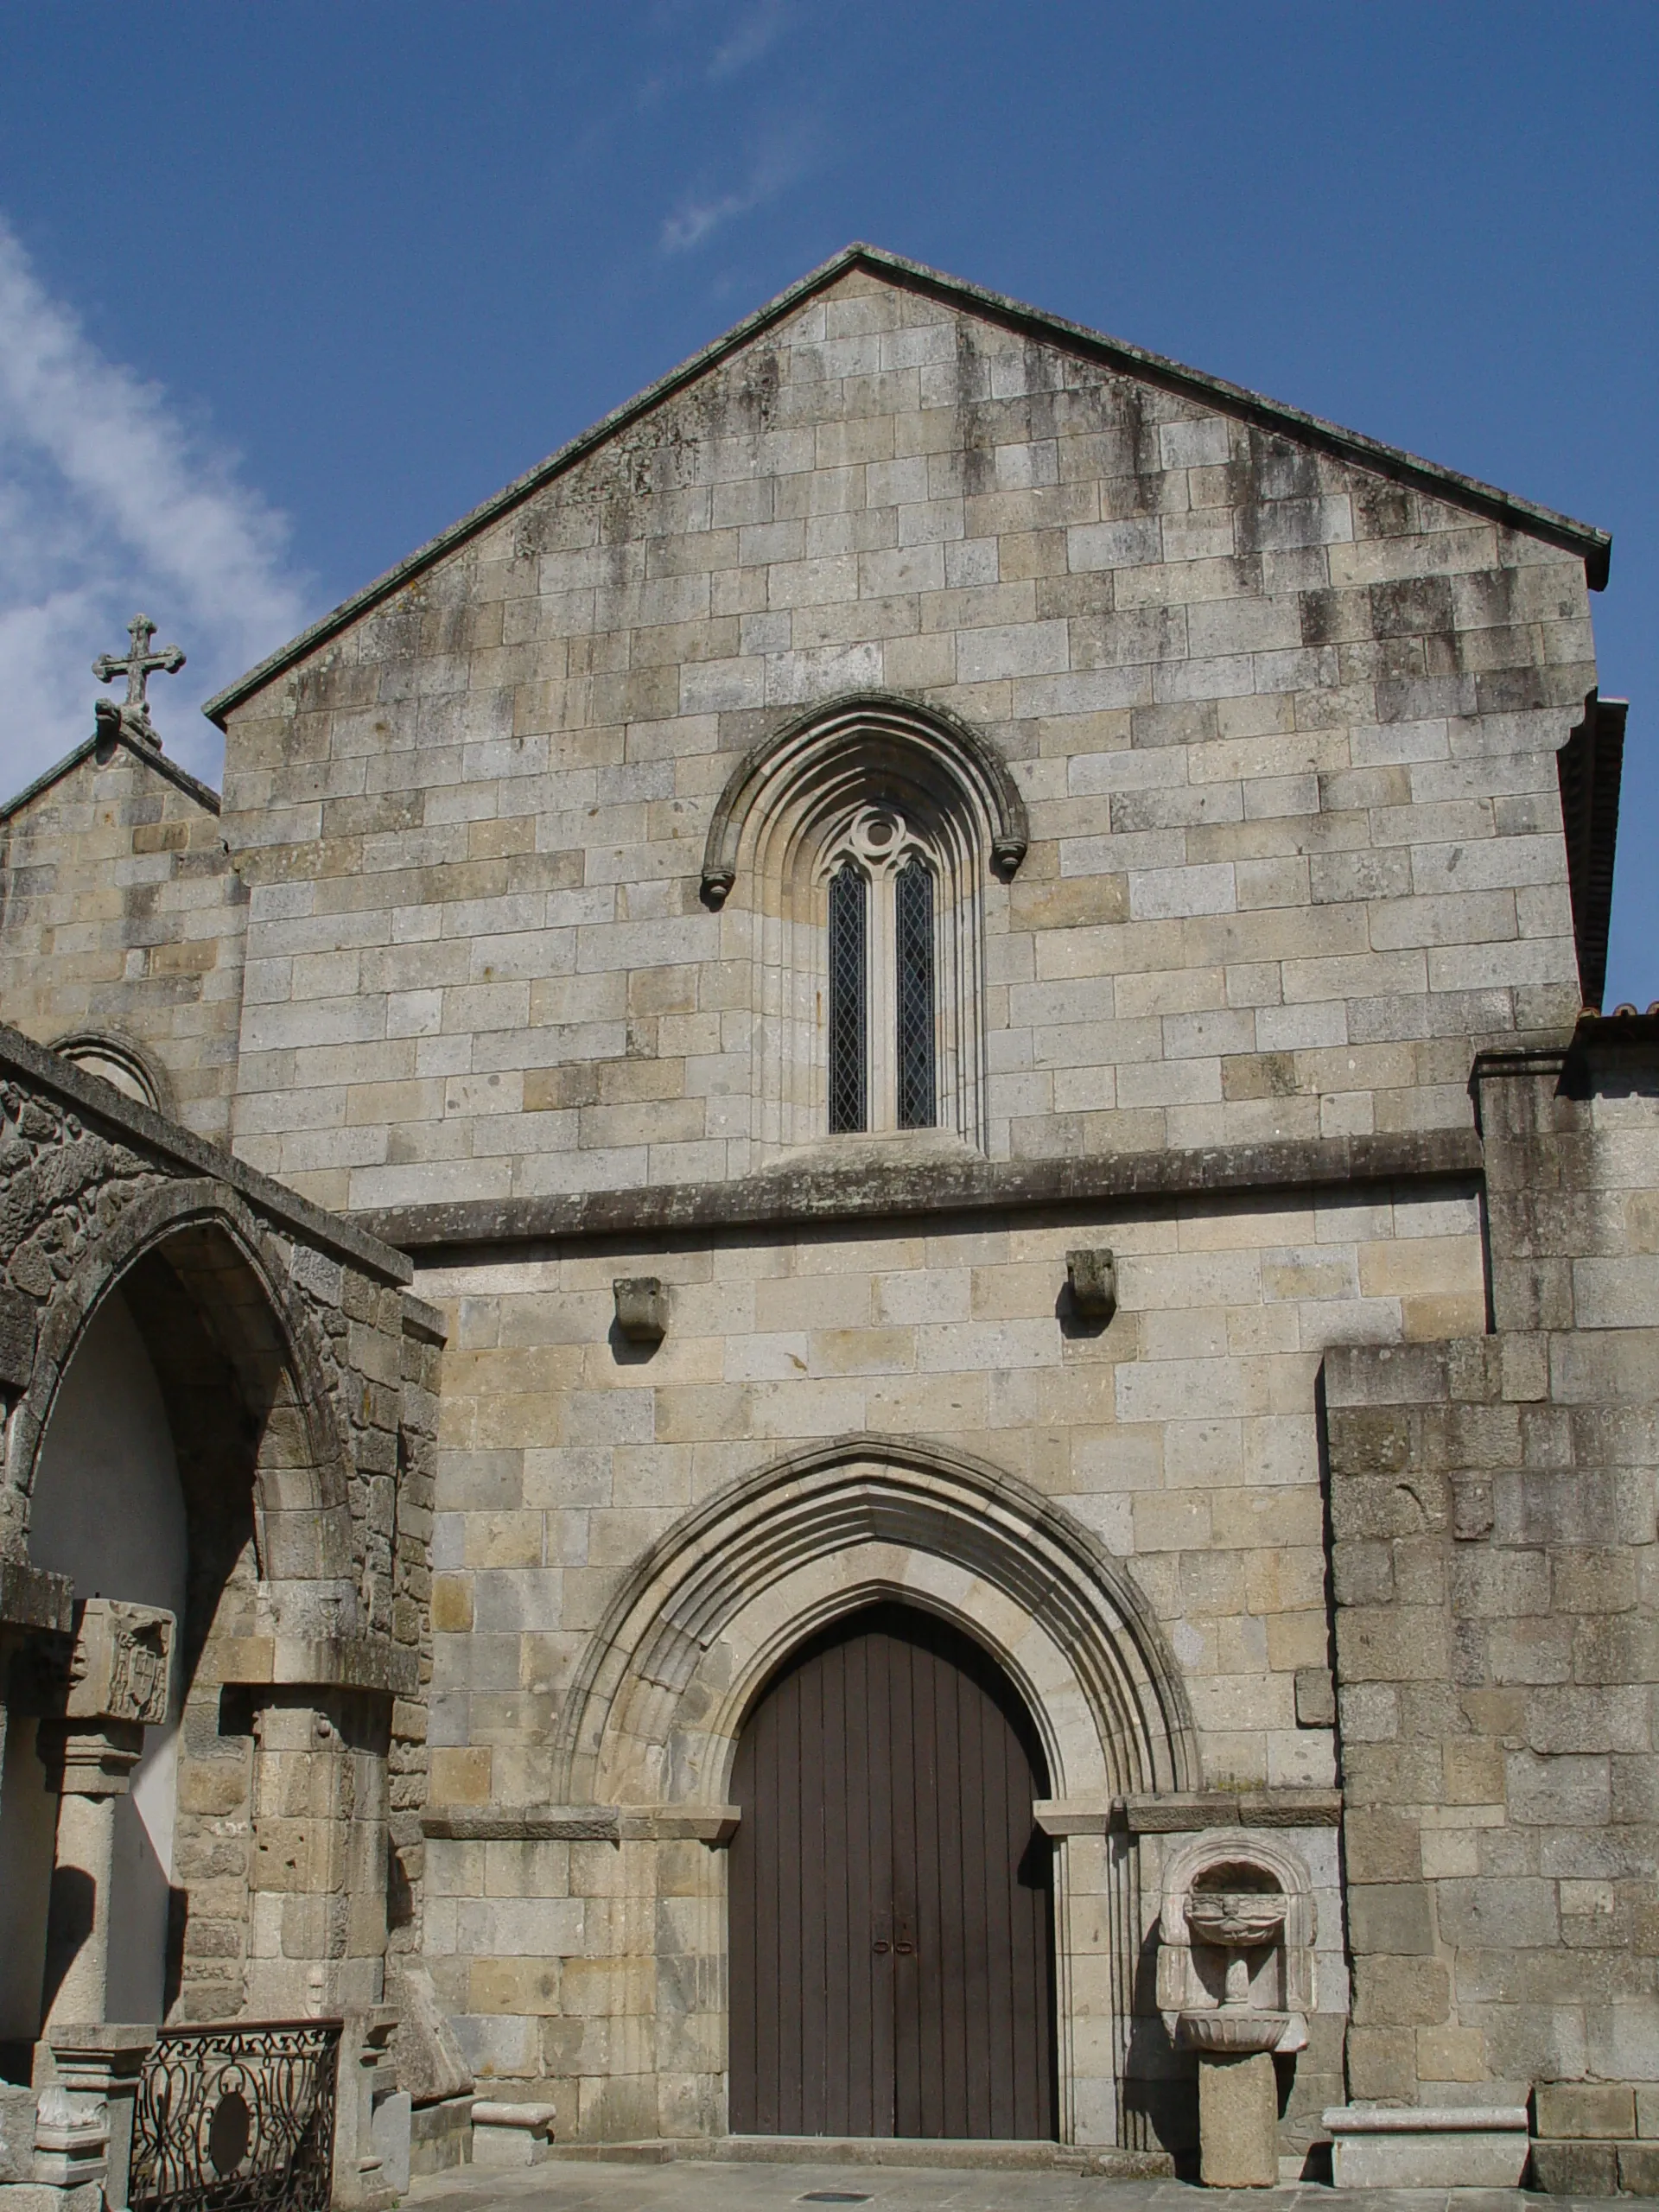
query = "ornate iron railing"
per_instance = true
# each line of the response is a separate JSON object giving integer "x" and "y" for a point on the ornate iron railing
{"x": 237, "y": 2119}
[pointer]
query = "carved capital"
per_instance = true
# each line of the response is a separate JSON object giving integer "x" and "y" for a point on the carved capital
{"x": 90, "y": 1759}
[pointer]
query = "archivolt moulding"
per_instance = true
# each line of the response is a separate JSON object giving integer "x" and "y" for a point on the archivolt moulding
{"x": 217, "y": 1246}
{"x": 923, "y": 744}
{"x": 691, "y": 1639}
{"x": 122, "y": 1061}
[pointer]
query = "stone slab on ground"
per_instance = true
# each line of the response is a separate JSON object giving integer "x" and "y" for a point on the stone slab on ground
{"x": 509, "y": 2135}
{"x": 1459, "y": 2146}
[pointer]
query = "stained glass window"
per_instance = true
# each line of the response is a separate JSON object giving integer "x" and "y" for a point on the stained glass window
{"x": 913, "y": 995}
{"x": 849, "y": 1024}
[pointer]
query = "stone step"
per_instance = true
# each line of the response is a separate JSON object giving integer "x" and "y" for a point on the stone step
{"x": 973, "y": 2155}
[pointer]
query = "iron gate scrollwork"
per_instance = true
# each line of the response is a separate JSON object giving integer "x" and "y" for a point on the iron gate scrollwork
{"x": 237, "y": 2119}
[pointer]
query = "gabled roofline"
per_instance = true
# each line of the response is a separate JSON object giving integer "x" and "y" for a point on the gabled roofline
{"x": 204, "y": 794}
{"x": 1593, "y": 546}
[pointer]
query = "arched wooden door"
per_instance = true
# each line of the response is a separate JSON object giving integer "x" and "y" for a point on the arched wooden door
{"x": 891, "y": 1901}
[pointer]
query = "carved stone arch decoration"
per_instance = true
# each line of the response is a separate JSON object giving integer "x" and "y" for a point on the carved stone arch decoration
{"x": 694, "y": 1635}
{"x": 810, "y": 798}
{"x": 939, "y": 738}
{"x": 222, "y": 1323}
{"x": 122, "y": 1061}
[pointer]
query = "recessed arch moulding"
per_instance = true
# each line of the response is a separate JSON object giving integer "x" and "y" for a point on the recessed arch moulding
{"x": 237, "y": 1290}
{"x": 651, "y": 1724}
{"x": 787, "y": 810}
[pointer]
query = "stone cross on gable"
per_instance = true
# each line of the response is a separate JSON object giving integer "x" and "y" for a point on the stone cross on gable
{"x": 136, "y": 664}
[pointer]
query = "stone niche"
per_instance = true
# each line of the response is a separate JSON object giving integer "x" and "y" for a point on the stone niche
{"x": 1236, "y": 1985}
{"x": 1211, "y": 1961}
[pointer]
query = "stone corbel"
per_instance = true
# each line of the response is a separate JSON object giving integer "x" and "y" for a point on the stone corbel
{"x": 641, "y": 1309}
{"x": 1064, "y": 1816}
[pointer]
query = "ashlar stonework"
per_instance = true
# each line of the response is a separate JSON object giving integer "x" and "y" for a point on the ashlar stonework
{"x": 959, "y": 970}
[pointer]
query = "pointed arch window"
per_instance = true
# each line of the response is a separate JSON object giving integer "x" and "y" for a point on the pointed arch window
{"x": 862, "y": 846}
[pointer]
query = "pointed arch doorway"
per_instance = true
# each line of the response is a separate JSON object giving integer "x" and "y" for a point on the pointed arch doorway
{"x": 891, "y": 1896}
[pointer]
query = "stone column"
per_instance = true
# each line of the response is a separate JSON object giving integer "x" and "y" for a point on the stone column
{"x": 89, "y": 1767}
{"x": 117, "y": 1687}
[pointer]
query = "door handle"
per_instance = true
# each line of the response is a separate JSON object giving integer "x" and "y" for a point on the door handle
{"x": 881, "y": 1949}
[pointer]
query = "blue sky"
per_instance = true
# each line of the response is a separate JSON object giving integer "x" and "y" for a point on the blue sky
{"x": 284, "y": 290}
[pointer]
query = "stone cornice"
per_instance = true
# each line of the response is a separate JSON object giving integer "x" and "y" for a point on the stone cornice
{"x": 1181, "y": 1813}
{"x": 31, "y": 1597}
{"x": 352, "y": 1662}
{"x": 710, "y": 1824}
{"x": 927, "y": 1185}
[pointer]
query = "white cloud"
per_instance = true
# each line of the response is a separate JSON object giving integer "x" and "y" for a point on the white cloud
{"x": 781, "y": 162}
{"x": 108, "y": 503}
{"x": 761, "y": 28}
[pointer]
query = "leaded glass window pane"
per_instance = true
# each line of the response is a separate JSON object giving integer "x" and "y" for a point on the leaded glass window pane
{"x": 913, "y": 958}
{"x": 849, "y": 908}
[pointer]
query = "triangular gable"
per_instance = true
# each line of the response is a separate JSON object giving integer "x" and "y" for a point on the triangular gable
{"x": 204, "y": 794}
{"x": 1593, "y": 546}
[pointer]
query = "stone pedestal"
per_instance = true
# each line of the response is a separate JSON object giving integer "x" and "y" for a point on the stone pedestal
{"x": 366, "y": 2081}
{"x": 97, "y": 2067}
{"x": 1239, "y": 2121}
{"x": 72, "y": 2148}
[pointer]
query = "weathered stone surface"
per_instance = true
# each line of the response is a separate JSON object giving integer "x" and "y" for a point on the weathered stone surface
{"x": 506, "y": 946}
{"x": 1238, "y": 2121}
{"x": 1446, "y": 2147}
{"x": 431, "y": 2063}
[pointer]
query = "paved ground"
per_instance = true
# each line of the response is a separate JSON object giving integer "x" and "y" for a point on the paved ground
{"x": 687, "y": 2185}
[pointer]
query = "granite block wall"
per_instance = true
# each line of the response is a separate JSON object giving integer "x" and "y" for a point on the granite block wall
{"x": 1184, "y": 1435}
{"x": 1285, "y": 730}
{"x": 1493, "y": 1565}
{"x": 121, "y": 918}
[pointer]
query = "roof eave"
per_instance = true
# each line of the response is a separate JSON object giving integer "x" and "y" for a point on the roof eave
{"x": 1593, "y": 546}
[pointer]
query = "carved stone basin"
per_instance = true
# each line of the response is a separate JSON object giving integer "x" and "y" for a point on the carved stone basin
{"x": 1235, "y": 1919}
{"x": 1232, "y": 2028}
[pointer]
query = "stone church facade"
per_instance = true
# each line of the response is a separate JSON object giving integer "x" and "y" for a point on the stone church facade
{"x": 959, "y": 972}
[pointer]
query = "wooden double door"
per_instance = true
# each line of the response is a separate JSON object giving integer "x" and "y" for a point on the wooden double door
{"x": 891, "y": 1896}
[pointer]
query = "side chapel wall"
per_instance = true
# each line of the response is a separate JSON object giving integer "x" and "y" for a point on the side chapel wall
{"x": 314, "y": 1634}
{"x": 121, "y": 920}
